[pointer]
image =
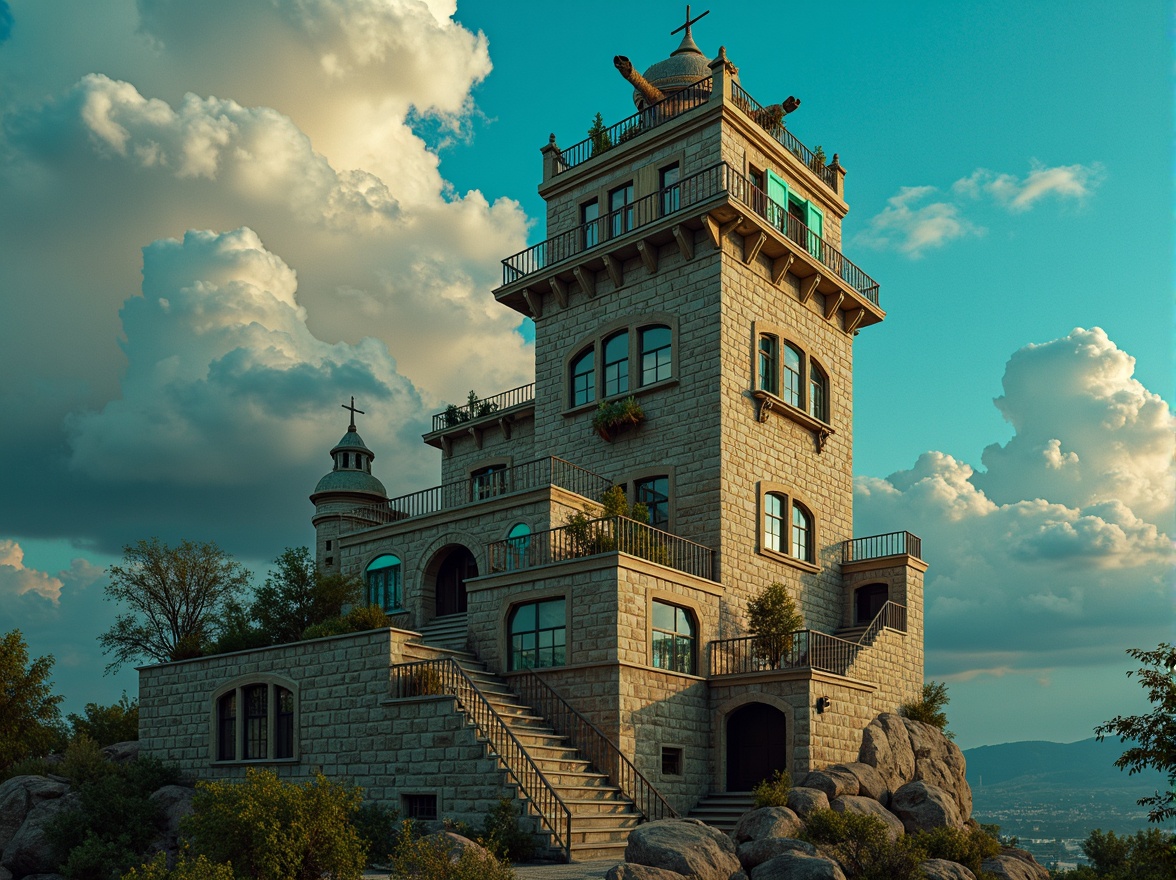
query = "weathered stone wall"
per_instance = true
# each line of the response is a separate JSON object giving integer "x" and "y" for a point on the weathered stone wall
{"x": 465, "y": 454}
{"x": 346, "y": 726}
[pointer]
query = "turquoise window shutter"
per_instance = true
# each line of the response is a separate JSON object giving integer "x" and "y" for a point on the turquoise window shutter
{"x": 778, "y": 193}
{"x": 816, "y": 225}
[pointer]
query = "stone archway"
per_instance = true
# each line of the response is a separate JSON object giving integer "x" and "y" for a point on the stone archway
{"x": 449, "y": 591}
{"x": 868, "y": 601}
{"x": 757, "y": 745}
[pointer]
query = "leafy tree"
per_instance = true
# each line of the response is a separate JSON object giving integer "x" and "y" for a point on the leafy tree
{"x": 297, "y": 595}
{"x": 1145, "y": 855}
{"x": 773, "y": 619}
{"x": 929, "y": 709}
{"x": 106, "y": 725}
{"x": 1153, "y": 734}
{"x": 599, "y": 136}
{"x": 177, "y": 597}
{"x": 30, "y": 717}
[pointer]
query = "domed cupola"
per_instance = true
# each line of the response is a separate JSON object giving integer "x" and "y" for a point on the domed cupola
{"x": 685, "y": 66}
{"x": 352, "y": 471}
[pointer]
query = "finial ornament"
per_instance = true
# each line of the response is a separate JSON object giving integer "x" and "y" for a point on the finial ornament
{"x": 689, "y": 21}
{"x": 351, "y": 427}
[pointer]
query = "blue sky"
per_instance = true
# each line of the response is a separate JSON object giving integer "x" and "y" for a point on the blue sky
{"x": 221, "y": 219}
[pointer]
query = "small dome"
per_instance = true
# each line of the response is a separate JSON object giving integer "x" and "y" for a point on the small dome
{"x": 350, "y": 481}
{"x": 687, "y": 65}
{"x": 352, "y": 442}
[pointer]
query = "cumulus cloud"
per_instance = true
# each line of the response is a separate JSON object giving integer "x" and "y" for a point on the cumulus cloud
{"x": 17, "y": 579}
{"x": 1075, "y": 182}
{"x": 1060, "y": 551}
{"x": 912, "y": 228}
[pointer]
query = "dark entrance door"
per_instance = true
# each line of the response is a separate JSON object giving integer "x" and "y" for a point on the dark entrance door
{"x": 755, "y": 745}
{"x": 458, "y": 566}
{"x": 869, "y": 601}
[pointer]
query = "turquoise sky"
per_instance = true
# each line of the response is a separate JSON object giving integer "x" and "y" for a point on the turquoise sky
{"x": 1009, "y": 178}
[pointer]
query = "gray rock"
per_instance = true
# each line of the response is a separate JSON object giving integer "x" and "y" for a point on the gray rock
{"x": 922, "y": 807}
{"x": 5, "y": 874}
{"x": 458, "y": 844}
{"x": 29, "y": 852}
{"x": 942, "y": 869}
{"x": 123, "y": 752}
{"x": 833, "y": 782}
{"x": 803, "y": 801}
{"x": 755, "y": 852}
{"x": 1014, "y": 864}
{"x": 640, "y": 872}
{"x": 18, "y": 796}
{"x": 174, "y": 802}
{"x": 798, "y": 866}
{"x": 864, "y": 806}
{"x": 940, "y": 762}
{"x": 767, "y": 822}
{"x": 683, "y": 845}
{"x": 870, "y": 782}
{"x": 886, "y": 746}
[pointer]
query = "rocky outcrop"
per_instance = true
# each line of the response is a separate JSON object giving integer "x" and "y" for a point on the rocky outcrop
{"x": 28, "y": 851}
{"x": 767, "y": 822}
{"x": 942, "y": 869}
{"x": 1014, "y": 864}
{"x": 798, "y": 866}
{"x": 904, "y": 751}
{"x": 625, "y": 871}
{"x": 685, "y": 846}
{"x": 174, "y": 803}
{"x": 122, "y": 753}
{"x": 803, "y": 801}
{"x": 864, "y": 806}
{"x": 755, "y": 852}
{"x": 870, "y": 781}
{"x": 924, "y": 807}
{"x": 833, "y": 781}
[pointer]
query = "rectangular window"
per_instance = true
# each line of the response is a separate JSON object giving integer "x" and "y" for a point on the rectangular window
{"x": 284, "y": 724}
{"x": 590, "y": 222}
{"x": 538, "y": 634}
{"x": 671, "y": 196}
{"x": 620, "y": 207}
{"x": 654, "y": 493}
{"x": 256, "y": 721}
{"x": 777, "y": 203}
{"x": 792, "y": 366}
{"x": 616, "y": 364}
{"x": 671, "y": 761}
{"x": 769, "y": 364}
{"x": 774, "y": 522}
{"x": 488, "y": 482}
{"x": 656, "y": 351}
{"x": 584, "y": 378}
{"x": 226, "y": 728}
{"x": 420, "y": 806}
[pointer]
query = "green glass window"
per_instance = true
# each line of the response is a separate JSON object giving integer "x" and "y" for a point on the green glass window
{"x": 802, "y": 533}
{"x": 769, "y": 364}
{"x": 656, "y": 354}
{"x": 518, "y": 542}
{"x": 774, "y": 522}
{"x": 538, "y": 634}
{"x": 620, "y": 206}
{"x": 818, "y": 393}
{"x": 616, "y": 364}
{"x": 674, "y": 637}
{"x": 792, "y": 370}
{"x": 584, "y": 378}
{"x": 384, "y": 582}
{"x": 590, "y": 220}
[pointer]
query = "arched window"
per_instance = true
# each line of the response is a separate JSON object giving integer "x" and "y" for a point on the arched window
{"x": 792, "y": 386}
{"x": 384, "y": 582}
{"x": 538, "y": 634}
{"x": 656, "y": 354}
{"x": 802, "y": 533}
{"x": 616, "y": 364}
{"x": 769, "y": 363}
{"x": 774, "y": 505}
{"x": 784, "y": 370}
{"x": 255, "y": 722}
{"x": 818, "y": 393}
{"x": 226, "y": 727}
{"x": 583, "y": 378}
{"x": 674, "y": 637}
{"x": 518, "y": 542}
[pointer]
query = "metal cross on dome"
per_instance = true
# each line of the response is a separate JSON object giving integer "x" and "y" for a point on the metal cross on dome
{"x": 351, "y": 427}
{"x": 689, "y": 21}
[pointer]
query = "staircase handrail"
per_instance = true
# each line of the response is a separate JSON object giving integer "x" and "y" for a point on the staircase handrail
{"x": 892, "y": 615}
{"x": 445, "y": 677}
{"x": 569, "y": 722}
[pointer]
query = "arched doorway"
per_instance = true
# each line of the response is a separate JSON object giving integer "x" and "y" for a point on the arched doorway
{"x": 756, "y": 745}
{"x": 450, "y": 591}
{"x": 868, "y": 601}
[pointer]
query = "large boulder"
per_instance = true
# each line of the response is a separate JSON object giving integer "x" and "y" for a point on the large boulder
{"x": 18, "y": 796}
{"x": 886, "y": 746}
{"x": 625, "y": 871}
{"x": 755, "y": 852}
{"x": 29, "y": 850}
{"x": 940, "y": 762}
{"x": 796, "y": 865}
{"x": 1014, "y": 864}
{"x": 942, "y": 869}
{"x": 864, "y": 806}
{"x": 922, "y": 807}
{"x": 123, "y": 752}
{"x": 870, "y": 782}
{"x": 686, "y": 846}
{"x": 803, "y": 801}
{"x": 833, "y": 781}
{"x": 174, "y": 803}
{"x": 767, "y": 822}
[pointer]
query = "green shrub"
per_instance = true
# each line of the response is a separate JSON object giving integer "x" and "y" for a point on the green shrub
{"x": 186, "y": 868}
{"x": 967, "y": 847}
{"x": 84, "y": 762}
{"x": 773, "y": 619}
{"x": 929, "y": 709}
{"x": 274, "y": 830}
{"x": 862, "y": 846}
{"x": 430, "y": 858}
{"x": 378, "y": 828}
{"x": 502, "y": 834}
{"x": 106, "y": 725}
{"x": 773, "y": 792}
{"x": 27, "y": 767}
{"x": 358, "y": 619}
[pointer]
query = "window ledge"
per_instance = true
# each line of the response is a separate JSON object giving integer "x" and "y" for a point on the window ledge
{"x": 770, "y": 403}
{"x": 250, "y": 761}
{"x": 636, "y": 392}
{"x": 790, "y": 560}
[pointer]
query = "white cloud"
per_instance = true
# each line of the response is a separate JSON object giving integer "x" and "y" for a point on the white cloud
{"x": 912, "y": 228}
{"x": 1076, "y": 182}
{"x": 1060, "y": 553}
{"x": 18, "y": 580}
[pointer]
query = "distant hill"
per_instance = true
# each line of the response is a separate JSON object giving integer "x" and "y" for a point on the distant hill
{"x": 1047, "y": 790}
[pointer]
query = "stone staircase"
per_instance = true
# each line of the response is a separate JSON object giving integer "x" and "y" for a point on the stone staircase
{"x": 446, "y": 632}
{"x": 722, "y": 809}
{"x": 602, "y": 816}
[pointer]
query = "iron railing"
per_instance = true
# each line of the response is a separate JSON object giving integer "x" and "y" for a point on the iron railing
{"x": 803, "y": 649}
{"x": 648, "y": 209}
{"x": 773, "y": 123}
{"x": 592, "y": 744}
{"x": 606, "y": 535}
{"x": 550, "y": 471}
{"x": 701, "y": 187}
{"x": 879, "y": 546}
{"x": 673, "y": 105}
{"x": 444, "y": 677}
{"x": 477, "y": 409}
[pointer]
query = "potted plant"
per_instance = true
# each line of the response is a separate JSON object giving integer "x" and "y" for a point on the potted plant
{"x": 616, "y": 415}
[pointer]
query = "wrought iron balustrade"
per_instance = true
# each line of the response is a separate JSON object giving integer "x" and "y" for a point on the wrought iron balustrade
{"x": 444, "y": 677}
{"x": 606, "y": 535}
{"x": 808, "y": 649}
{"x": 773, "y": 124}
{"x": 593, "y": 745}
{"x": 879, "y": 546}
{"x": 549, "y": 471}
{"x": 455, "y": 415}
